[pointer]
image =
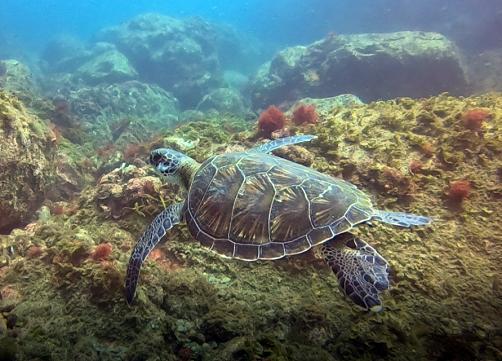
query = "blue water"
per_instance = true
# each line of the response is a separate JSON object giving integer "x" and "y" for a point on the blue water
{"x": 473, "y": 24}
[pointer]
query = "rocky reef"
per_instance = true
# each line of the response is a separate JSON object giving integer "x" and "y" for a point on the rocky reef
{"x": 61, "y": 278}
{"x": 371, "y": 66}
{"x": 146, "y": 108}
{"x": 182, "y": 56}
{"x": 27, "y": 152}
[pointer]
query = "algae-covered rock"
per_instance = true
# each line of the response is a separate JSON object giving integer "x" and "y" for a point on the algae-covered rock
{"x": 108, "y": 66}
{"x": 371, "y": 66}
{"x": 183, "y": 56}
{"x": 17, "y": 78}
{"x": 64, "y": 54}
{"x": 223, "y": 100}
{"x": 485, "y": 71}
{"x": 133, "y": 108}
{"x": 170, "y": 52}
{"x": 194, "y": 304}
{"x": 26, "y": 162}
{"x": 324, "y": 106}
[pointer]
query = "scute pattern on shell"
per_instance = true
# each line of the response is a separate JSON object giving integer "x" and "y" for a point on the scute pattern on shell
{"x": 257, "y": 206}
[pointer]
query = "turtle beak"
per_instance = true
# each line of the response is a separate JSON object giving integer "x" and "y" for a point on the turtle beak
{"x": 155, "y": 158}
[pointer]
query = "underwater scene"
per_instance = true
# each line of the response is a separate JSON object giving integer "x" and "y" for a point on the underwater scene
{"x": 250, "y": 180}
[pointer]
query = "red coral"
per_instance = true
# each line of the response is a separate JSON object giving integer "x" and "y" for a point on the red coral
{"x": 459, "y": 190}
{"x": 34, "y": 252}
{"x": 102, "y": 252}
{"x": 415, "y": 166}
{"x": 133, "y": 151}
{"x": 474, "y": 118}
{"x": 305, "y": 114}
{"x": 270, "y": 120}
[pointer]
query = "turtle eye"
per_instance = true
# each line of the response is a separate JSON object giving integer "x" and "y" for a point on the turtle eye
{"x": 155, "y": 158}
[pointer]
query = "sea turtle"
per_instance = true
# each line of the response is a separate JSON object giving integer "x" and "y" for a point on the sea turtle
{"x": 253, "y": 205}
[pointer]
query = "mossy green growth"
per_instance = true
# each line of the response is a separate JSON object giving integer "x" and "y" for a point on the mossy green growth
{"x": 203, "y": 139}
{"x": 193, "y": 304}
{"x": 26, "y": 161}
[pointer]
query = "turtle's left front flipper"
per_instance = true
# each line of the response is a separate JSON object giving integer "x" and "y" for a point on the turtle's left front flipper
{"x": 147, "y": 242}
{"x": 362, "y": 273}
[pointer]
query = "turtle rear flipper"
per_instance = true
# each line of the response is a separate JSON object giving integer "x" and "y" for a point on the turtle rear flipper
{"x": 147, "y": 242}
{"x": 362, "y": 273}
{"x": 402, "y": 219}
{"x": 282, "y": 142}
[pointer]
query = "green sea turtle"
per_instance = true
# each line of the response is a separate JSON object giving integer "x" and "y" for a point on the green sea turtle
{"x": 252, "y": 205}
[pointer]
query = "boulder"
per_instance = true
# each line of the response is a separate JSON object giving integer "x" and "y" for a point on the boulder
{"x": 324, "y": 106}
{"x": 485, "y": 71}
{"x": 27, "y": 153}
{"x": 182, "y": 56}
{"x": 79, "y": 66}
{"x": 17, "y": 78}
{"x": 109, "y": 66}
{"x": 371, "y": 66}
{"x": 64, "y": 54}
{"x": 223, "y": 100}
{"x": 130, "y": 107}
{"x": 235, "y": 79}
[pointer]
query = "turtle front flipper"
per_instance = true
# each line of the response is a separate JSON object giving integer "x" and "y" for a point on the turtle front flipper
{"x": 149, "y": 239}
{"x": 362, "y": 273}
{"x": 282, "y": 142}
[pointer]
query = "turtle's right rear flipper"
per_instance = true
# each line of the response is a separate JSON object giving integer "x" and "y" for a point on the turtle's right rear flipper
{"x": 147, "y": 242}
{"x": 362, "y": 273}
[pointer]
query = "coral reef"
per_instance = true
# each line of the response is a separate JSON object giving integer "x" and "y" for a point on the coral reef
{"x": 372, "y": 66}
{"x": 58, "y": 303}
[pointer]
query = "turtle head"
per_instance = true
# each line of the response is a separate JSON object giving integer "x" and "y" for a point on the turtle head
{"x": 174, "y": 165}
{"x": 166, "y": 161}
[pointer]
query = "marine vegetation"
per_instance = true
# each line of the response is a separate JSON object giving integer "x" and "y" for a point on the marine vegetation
{"x": 270, "y": 120}
{"x": 305, "y": 113}
{"x": 62, "y": 289}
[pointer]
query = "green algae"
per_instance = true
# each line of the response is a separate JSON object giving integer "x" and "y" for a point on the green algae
{"x": 193, "y": 304}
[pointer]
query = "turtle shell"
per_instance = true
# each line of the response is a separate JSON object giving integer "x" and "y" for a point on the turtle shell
{"x": 258, "y": 206}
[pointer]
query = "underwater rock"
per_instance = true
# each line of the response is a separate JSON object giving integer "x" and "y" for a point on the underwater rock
{"x": 64, "y": 54}
{"x": 179, "y": 55}
{"x": 98, "y": 63}
{"x": 326, "y": 105}
{"x": 109, "y": 66}
{"x": 223, "y": 100}
{"x": 145, "y": 108}
{"x": 485, "y": 71}
{"x": 194, "y": 304}
{"x": 17, "y": 78}
{"x": 26, "y": 162}
{"x": 191, "y": 115}
{"x": 128, "y": 190}
{"x": 235, "y": 79}
{"x": 371, "y": 66}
